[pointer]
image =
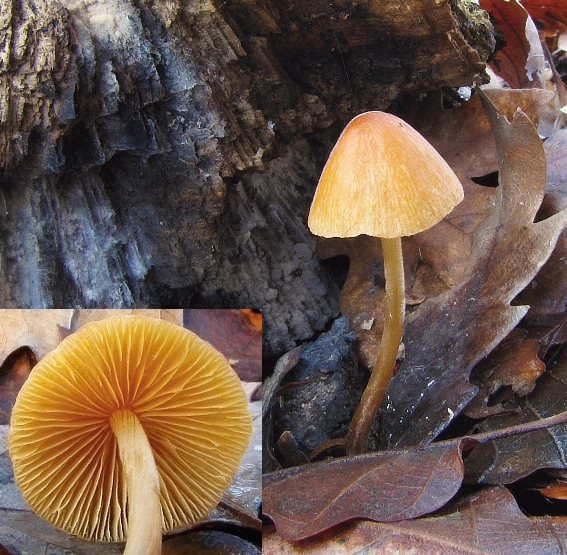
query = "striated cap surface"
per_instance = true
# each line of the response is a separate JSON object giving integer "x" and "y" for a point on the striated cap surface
{"x": 383, "y": 179}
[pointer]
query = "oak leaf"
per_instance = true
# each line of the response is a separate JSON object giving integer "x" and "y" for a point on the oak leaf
{"x": 486, "y": 523}
{"x": 236, "y": 334}
{"x": 385, "y": 486}
{"x": 448, "y": 334}
{"x": 550, "y": 14}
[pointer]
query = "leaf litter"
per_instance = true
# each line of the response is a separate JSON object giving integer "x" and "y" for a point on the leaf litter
{"x": 466, "y": 300}
{"x": 448, "y": 334}
{"x": 27, "y": 335}
{"x": 488, "y": 522}
{"x": 386, "y": 486}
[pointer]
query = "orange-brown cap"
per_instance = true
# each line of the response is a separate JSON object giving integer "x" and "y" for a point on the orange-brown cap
{"x": 186, "y": 396}
{"x": 382, "y": 179}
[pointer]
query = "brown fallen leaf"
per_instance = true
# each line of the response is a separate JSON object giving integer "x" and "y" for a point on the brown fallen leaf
{"x": 538, "y": 104}
{"x": 549, "y": 329}
{"x": 486, "y": 523}
{"x": 447, "y": 335}
{"x": 507, "y": 460}
{"x": 556, "y": 152}
{"x": 550, "y": 14}
{"x": 556, "y": 490}
{"x": 26, "y": 532}
{"x": 509, "y": 62}
{"x": 269, "y": 388}
{"x": 253, "y": 316}
{"x": 209, "y": 542}
{"x": 37, "y": 329}
{"x": 234, "y": 334}
{"x": 13, "y": 373}
{"x": 544, "y": 296}
{"x": 513, "y": 365}
{"x": 384, "y": 486}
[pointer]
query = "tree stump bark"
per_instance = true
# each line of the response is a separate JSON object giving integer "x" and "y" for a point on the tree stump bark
{"x": 165, "y": 152}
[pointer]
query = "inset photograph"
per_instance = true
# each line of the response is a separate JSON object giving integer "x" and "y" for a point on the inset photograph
{"x": 130, "y": 431}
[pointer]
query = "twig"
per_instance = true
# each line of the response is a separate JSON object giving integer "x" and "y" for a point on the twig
{"x": 523, "y": 428}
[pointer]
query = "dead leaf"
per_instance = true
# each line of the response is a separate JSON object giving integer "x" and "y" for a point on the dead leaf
{"x": 509, "y": 62}
{"x": 13, "y": 373}
{"x": 556, "y": 152}
{"x": 550, "y": 14}
{"x": 487, "y": 523}
{"x": 244, "y": 494}
{"x": 513, "y": 366}
{"x": 544, "y": 296}
{"x": 557, "y": 490}
{"x": 520, "y": 367}
{"x": 385, "y": 486}
{"x": 538, "y": 104}
{"x": 209, "y": 542}
{"x": 234, "y": 334}
{"x": 549, "y": 329}
{"x": 270, "y": 385}
{"x": 507, "y": 460}
{"x": 450, "y": 333}
{"x": 26, "y": 532}
{"x": 254, "y": 317}
{"x": 37, "y": 329}
{"x": 547, "y": 319}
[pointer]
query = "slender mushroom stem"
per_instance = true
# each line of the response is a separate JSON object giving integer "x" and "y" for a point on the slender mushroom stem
{"x": 395, "y": 305}
{"x": 144, "y": 532}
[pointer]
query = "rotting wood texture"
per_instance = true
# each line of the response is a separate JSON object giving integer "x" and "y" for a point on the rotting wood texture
{"x": 164, "y": 153}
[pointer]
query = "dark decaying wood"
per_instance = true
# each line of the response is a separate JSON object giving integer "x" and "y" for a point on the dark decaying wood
{"x": 165, "y": 152}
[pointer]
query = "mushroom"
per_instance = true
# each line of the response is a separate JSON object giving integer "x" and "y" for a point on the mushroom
{"x": 386, "y": 180}
{"x": 131, "y": 427}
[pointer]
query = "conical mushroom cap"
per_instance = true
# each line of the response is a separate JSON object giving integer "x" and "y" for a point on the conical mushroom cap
{"x": 188, "y": 399}
{"x": 382, "y": 179}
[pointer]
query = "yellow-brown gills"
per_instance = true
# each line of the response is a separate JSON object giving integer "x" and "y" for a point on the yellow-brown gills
{"x": 185, "y": 395}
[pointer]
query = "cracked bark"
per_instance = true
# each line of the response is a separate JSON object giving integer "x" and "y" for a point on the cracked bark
{"x": 164, "y": 153}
